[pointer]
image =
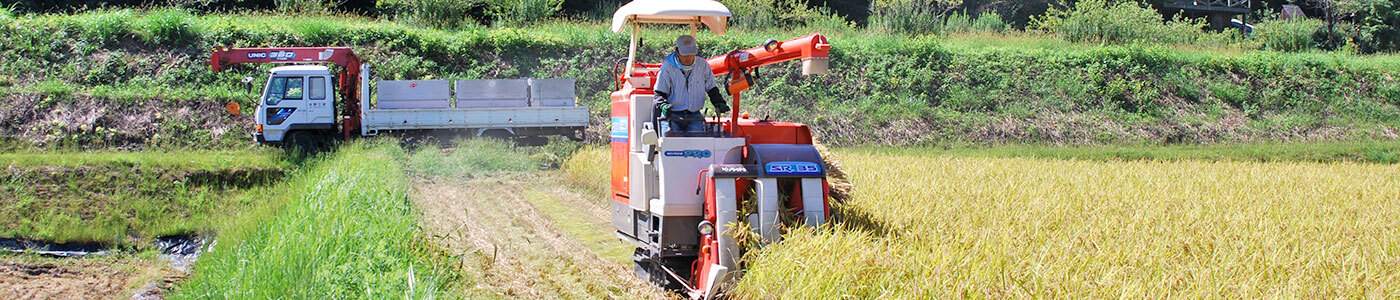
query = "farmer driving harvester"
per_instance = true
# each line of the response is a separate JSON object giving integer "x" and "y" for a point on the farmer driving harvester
{"x": 680, "y": 91}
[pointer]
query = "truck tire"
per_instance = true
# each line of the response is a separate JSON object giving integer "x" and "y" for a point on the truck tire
{"x": 531, "y": 141}
{"x": 304, "y": 142}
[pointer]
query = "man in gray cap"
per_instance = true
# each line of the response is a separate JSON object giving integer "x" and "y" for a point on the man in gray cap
{"x": 681, "y": 87}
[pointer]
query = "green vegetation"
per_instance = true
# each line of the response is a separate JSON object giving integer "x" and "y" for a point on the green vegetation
{"x": 1121, "y": 22}
{"x": 341, "y": 227}
{"x": 486, "y": 156}
{"x": 206, "y": 160}
{"x": 126, "y": 199}
{"x": 973, "y": 88}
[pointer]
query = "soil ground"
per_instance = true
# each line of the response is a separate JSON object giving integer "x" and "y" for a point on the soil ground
{"x": 529, "y": 236}
{"x": 115, "y": 277}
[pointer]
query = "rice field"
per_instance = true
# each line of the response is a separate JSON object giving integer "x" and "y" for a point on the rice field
{"x": 938, "y": 226}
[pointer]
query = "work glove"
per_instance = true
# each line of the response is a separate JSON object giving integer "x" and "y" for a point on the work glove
{"x": 722, "y": 107}
{"x": 662, "y": 105}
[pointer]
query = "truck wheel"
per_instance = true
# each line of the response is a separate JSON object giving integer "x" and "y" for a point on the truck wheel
{"x": 301, "y": 141}
{"x": 531, "y": 141}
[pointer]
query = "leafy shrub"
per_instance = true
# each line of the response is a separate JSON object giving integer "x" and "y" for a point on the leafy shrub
{"x": 771, "y": 13}
{"x": 1098, "y": 21}
{"x": 168, "y": 26}
{"x": 1378, "y": 26}
{"x": 444, "y": 14}
{"x": 909, "y": 16}
{"x": 990, "y": 21}
{"x": 1286, "y": 35}
{"x": 523, "y": 12}
{"x": 303, "y": 6}
{"x": 985, "y": 22}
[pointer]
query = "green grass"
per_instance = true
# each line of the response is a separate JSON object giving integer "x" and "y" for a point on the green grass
{"x": 126, "y": 199}
{"x": 471, "y": 157}
{"x": 342, "y": 227}
{"x": 1386, "y": 152}
{"x": 207, "y": 160}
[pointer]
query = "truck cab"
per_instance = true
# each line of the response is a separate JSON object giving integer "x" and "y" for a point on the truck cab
{"x": 296, "y": 98}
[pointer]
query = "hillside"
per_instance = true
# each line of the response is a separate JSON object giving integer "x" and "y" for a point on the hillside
{"x": 137, "y": 79}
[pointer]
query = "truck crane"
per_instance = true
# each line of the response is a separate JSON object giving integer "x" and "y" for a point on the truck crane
{"x": 678, "y": 196}
{"x": 297, "y": 109}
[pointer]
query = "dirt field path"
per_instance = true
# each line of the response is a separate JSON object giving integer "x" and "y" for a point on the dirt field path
{"x": 528, "y": 236}
{"x": 29, "y": 277}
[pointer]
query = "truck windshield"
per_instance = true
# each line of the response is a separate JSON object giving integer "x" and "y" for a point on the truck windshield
{"x": 283, "y": 88}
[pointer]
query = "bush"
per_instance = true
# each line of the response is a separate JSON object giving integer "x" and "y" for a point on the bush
{"x": 985, "y": 22}
{"x": 1286, "y": 35}
{"x": 1378, "y": 26}
{"x": 909, "y": 16}
{"x": 523, "y": 12}
{"x": 168, "y": 26}
{"x": 771, "y": 13}
{"x": 444, "y": 14}
{"x": 1098, "y": 21}
{"x": 303, "y": 6}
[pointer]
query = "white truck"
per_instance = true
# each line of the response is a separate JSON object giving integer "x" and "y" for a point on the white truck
{"x": 299, "y": 106}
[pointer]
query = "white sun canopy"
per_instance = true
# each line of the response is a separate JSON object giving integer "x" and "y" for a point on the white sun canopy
{"x": 713, "y": 14}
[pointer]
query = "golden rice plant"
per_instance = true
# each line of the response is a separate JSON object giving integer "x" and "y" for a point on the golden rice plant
{"x": 957, "y": 227}
{"x": 588, "y": 169}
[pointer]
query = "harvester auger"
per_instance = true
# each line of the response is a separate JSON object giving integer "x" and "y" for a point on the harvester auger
{"x": 678, "y": 196}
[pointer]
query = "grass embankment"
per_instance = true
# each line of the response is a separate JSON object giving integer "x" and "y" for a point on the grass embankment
{"x": 341, "y": 227}
{"x": 127, "y": 198}
{"x": 884, "y": 88}
{"x": 922, "y": 226}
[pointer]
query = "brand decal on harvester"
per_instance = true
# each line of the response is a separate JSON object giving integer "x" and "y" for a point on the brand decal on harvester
{"x": 619, "y": 130}
{"x": 689, "y": 153}
{"x": 793, "y": 168}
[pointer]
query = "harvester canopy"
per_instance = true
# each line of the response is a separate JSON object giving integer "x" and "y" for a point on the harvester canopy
{"x": 713, "y": 14}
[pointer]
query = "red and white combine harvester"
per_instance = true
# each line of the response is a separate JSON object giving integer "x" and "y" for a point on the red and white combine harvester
{"x": 678, "y": 197}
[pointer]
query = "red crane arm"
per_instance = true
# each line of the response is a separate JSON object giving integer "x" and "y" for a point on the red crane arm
{"x": 341, "y": 56}
{"x": 348, "y": 79}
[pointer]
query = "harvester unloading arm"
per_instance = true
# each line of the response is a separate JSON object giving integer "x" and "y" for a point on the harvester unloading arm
{"x": 811, "y": 49}
{"x": 348, "y": 79}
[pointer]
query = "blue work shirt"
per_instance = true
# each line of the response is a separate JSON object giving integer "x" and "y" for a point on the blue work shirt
{"x": 686, "y": 89}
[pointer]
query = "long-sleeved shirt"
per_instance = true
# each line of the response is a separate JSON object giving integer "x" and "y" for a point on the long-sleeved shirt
{"x": 685, "y": 90}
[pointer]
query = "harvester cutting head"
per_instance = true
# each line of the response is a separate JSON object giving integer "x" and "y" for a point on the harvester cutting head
{"x": 684, "y": 198}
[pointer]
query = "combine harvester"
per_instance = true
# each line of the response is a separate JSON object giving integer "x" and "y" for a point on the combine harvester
{"x": 678, "y": 197}
{"x": 298, "y": 107}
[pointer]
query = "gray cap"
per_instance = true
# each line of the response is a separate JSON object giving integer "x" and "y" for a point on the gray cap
{"x": 685, "y": 45}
